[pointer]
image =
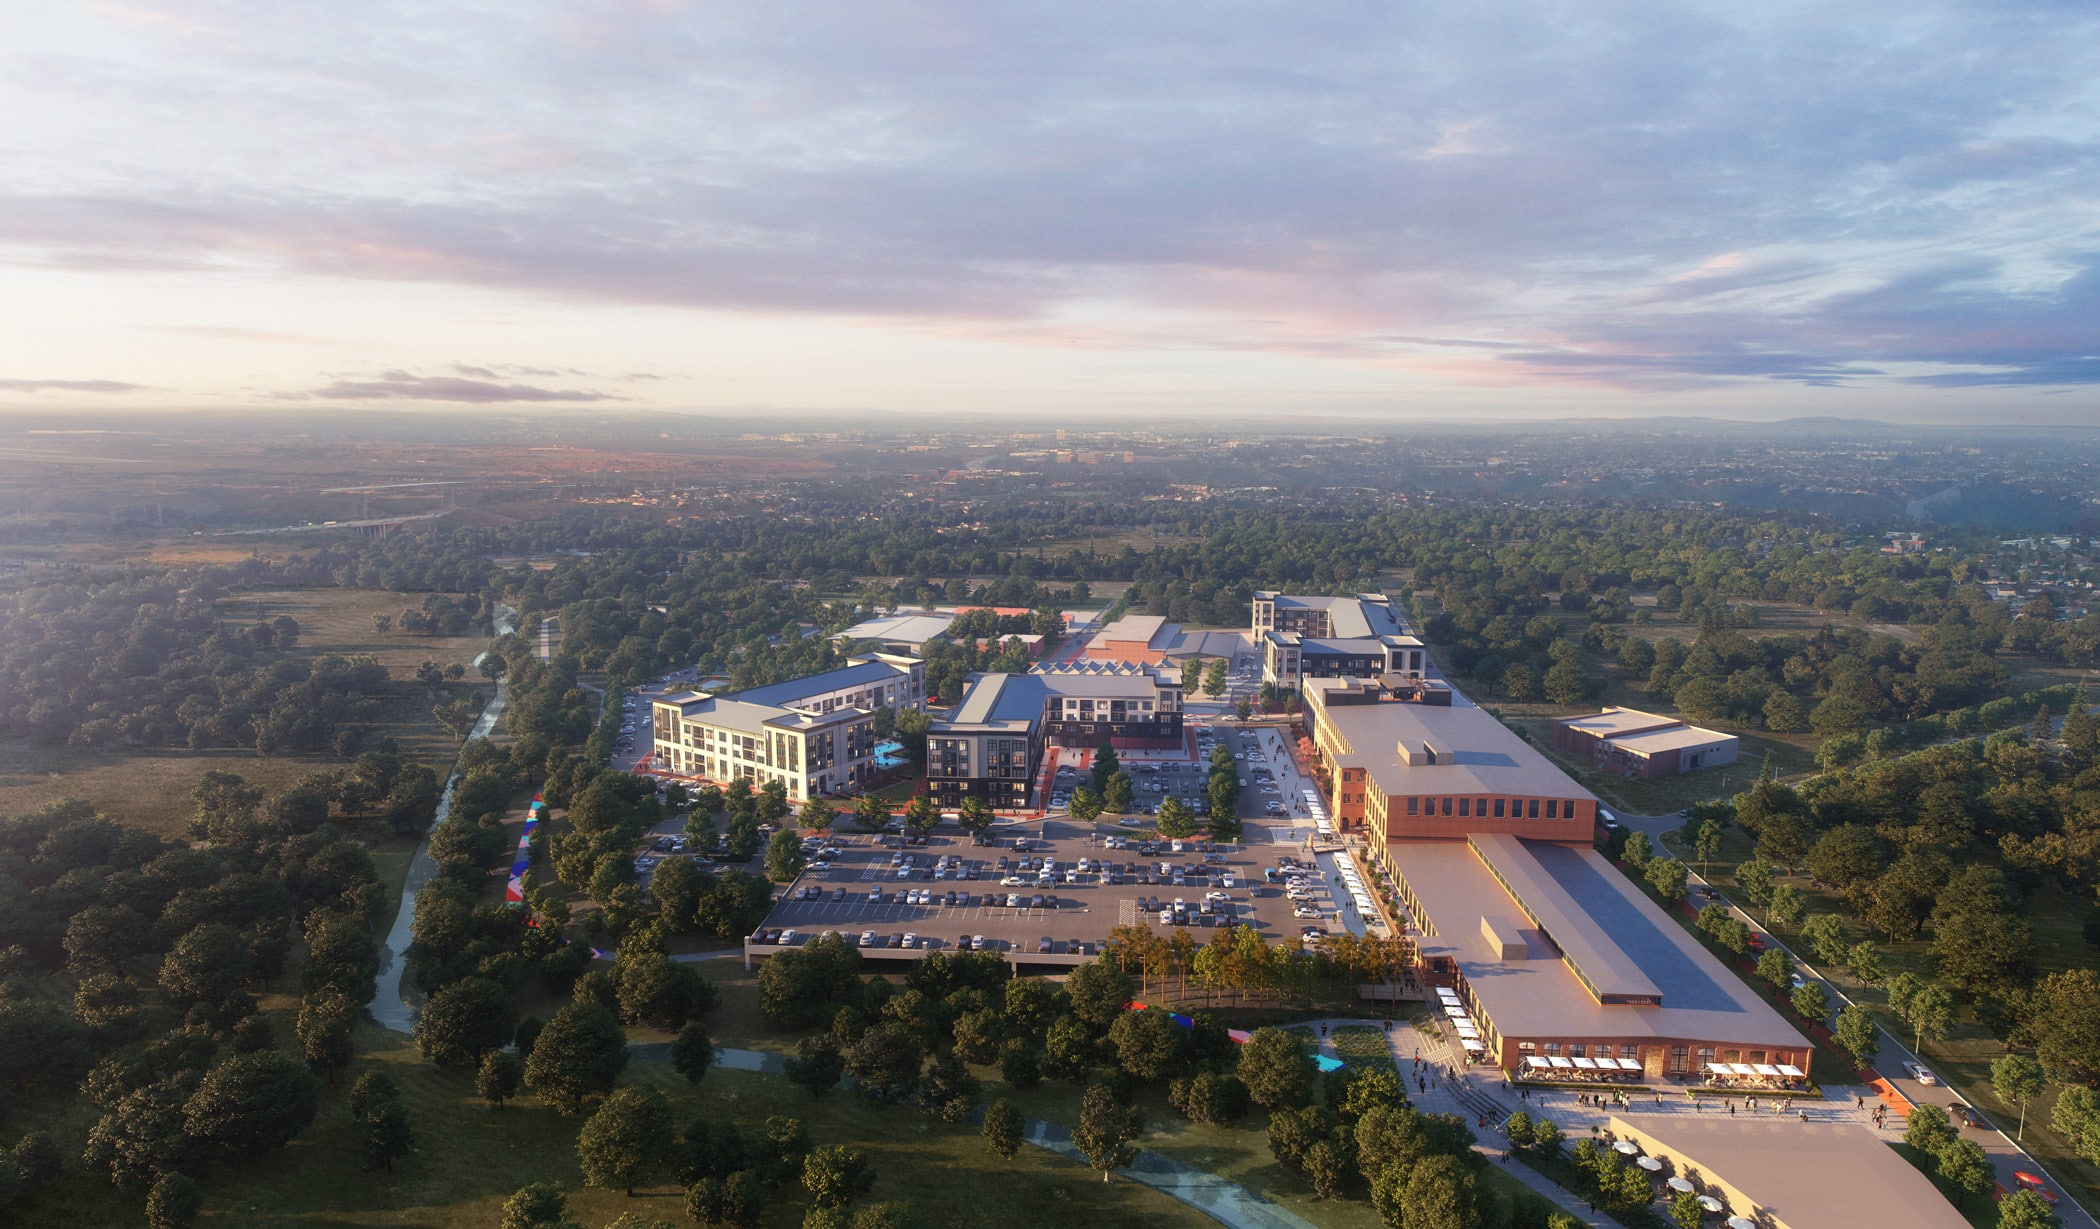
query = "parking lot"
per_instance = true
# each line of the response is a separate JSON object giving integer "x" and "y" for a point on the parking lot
{"x": 949, "y": 891}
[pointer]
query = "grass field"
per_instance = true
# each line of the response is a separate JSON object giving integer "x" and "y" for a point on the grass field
{"x": 150, "y": 787}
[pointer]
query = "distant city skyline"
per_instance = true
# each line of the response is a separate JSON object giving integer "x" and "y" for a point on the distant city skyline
{"x": 1327, "y": 212}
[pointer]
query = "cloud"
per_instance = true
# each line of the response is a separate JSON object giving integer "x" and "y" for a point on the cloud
{"x": 1597, "y": 194}
{"x": 70, "y": 386}
{"x": 405, "y": 386}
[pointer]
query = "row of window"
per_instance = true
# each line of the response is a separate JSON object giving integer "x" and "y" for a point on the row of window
{"x": 1510, "y": 808}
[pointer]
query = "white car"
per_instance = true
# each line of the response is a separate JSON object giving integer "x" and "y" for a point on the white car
{"x": 1919, "y": 1073}
{"x": 1303, "y": 911}
{"x": 910, "y": 939}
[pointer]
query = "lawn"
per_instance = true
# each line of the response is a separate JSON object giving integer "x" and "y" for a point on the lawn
{"x": 1362, "y": 1047}
{"x": 150, "y": 787}
{"x": 469, "y": 1158}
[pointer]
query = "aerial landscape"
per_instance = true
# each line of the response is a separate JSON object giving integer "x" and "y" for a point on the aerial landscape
{"x": 643, "y": 615}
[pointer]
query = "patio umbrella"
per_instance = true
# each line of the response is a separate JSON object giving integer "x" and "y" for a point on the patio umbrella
{"x": 1679, "y": 1184}
{"x": 1741, "y": 1222}
{"x": 1628, "y": 1147}
{"x": 1648, "y": 1163}
{"x": 1710, "y": 1203}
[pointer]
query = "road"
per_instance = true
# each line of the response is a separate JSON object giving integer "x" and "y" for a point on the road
{"x": 1892, "y": 1064}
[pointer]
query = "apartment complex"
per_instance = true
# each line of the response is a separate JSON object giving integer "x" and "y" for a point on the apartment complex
{"x": 989, "y": 744}
{"x": 1360, "y": 636}
{"x": 815, "y": 735}
{"x": 1554, "y": 953}
{"x": 1638, "y": 744}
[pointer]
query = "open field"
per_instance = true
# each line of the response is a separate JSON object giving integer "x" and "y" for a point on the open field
{"x": 469, "y": 1158}
{"x": 150, "y": 786}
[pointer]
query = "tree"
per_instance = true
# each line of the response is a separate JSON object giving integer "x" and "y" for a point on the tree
{"x": 1440, "y": 1194}
{"x": 1637, "y": 850}
{"x": 2064, "y": 1021}
{"x": 1927, "y": 1129}
{"x": 1686, "y": 1210}
{"x": 655, "y": 990}
{"x": 1824, "y": 936}
{"x": 464, "y": 1021}
{"x": 1176, "y": 820}
{"x": 2076, "y": 1117}
{"x": 2027, "y": 1210}
{"x": 539, "y": 1206}
{"x": 816, "y": 1064}
{"x": 1105, "y": 1130}
{"x": 1275, "y": 1068}
{"x": 1002, "y": 1129}
{"x": 1856, "y": 1033}
{"x": 1931, "y": 1014}
{"x": 1838, "y": 714}
{"x": 1566, "y": 684}
{"x": 2017, "y": 1079}
{"x": 207, "y": 965}
{"x": 1964, "y": 1166}
{"x": 884, "y": 1062}
{"x": 626, "y": 1138}
{"x": 174, "y": 1202}
{"x": 1118, "y": 794}
{"x": 1811, "y": 1001}
{"x": 1098, "y": 992}
{"x": 1789, "y": 905}
{"x": 1106, "y": 765}
{"x": 1668, "y": 877}
{"x": 836, "y": 1176}
{"x": 784, "y": 857}
{"x": 252, "y": 1103}
{"x": 817, "y": 815}
{"x": 1211, "y": 1098}
{"x": 1214, "y": 677}
{"x": 385, "y": 1134}
{"x": 1520, "y": 683}
{"x": 871, "y": 814}
{"x": 976, "y": 816}
{"x": 326, "y": 1021}
{"x": 1020, "y": 1063}
{"x": 1706, "y": 843}
{"x": 947, "y": 1090}
{"x": 1785, "y": 713}
{"x": 1084, "y": 806}
{"x": 1242, "y": 709}
{"x": 499, "y": 1077}
{"x": 576, "y": 1058}
{"x": 692, "y": 1052}
{"x": 38, "y": 1160}
{"x": 1754, "y": 878}
{"x": 1865, "y": 962}
{"x": 1776, "y": 968}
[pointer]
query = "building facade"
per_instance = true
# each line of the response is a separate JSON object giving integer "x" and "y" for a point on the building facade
{"x": 1637, "y": 744}
{"x": 989, "y": 744}
{"x": 1360, "y": 636}
{"x": 814, "y": 735}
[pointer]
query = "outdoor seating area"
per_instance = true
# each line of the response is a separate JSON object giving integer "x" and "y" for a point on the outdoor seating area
{"x": 1462, "y": 1024}
{"x": 1753, "y": 1077}
{"x": 1596, "y": 1070}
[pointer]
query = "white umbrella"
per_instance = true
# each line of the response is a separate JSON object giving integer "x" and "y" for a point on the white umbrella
{"x": 1627, "y": 1146}
{"x": 1741, "y": 1222}
{"x": 1648, "y": 1163}
{"x": 1710, "y": 1203}
{"x": 1679, "y": 1184}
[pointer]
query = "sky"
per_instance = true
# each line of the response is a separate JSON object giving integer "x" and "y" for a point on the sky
{"x": 1131, "y": 211}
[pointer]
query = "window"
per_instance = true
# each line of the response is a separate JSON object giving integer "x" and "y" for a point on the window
{"x": 1629, "y": 1050}
{"x": 1413, "y": 804}
{"x": 1552, "y": 1048}
{"x": 1447, "y": 808}
{"x": 1465, "y": 807}
{"x": 1550, "y": 806}
{"x": 1534, "y": 808}
{"x": 1498, "y": 808}
{"x": 1578, "y": 1050}
{"x": 1705, "y": 1058}
{"x": 1678, "y": 1060}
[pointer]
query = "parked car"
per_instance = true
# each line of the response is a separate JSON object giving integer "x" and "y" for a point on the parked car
{"x": 1920, "y": 1073}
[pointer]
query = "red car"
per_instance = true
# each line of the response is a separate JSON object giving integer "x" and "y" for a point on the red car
{"x": 1757, "y": 942}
